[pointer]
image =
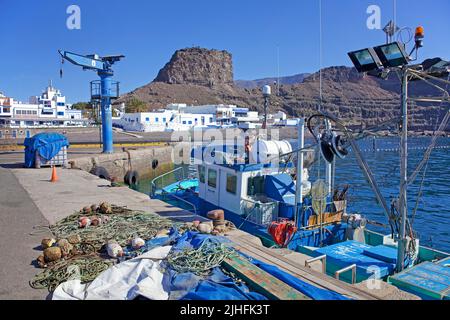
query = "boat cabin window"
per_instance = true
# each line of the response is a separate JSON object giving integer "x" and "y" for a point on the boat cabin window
{"x": 212, "y": 178}
{"x": 231, "y": 183}
{"x": 255, "y": 185}
{"x": 201, "y": 173}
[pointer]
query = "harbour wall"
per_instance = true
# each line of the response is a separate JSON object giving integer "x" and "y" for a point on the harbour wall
{"x": 119, "y": 163}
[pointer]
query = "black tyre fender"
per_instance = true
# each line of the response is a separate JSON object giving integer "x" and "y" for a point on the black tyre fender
{"x": 131, "y": 177}
{"x": 100, "y": 172}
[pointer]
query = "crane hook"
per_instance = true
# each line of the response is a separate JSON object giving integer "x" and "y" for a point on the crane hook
{"x": 61, "y": 68}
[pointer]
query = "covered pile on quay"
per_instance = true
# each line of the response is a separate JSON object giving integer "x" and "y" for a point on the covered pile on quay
{"x": 110, "y": 252}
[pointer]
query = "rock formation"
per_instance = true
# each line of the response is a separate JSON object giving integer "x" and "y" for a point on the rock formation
{"x": 197, "y": 66}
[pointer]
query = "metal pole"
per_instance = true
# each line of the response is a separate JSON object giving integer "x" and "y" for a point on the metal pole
{"x": 266, "y": 103}
{"x": 298, "y": 184}
{"x": 328, "y": 168}
{"x": 403, "y": 203}
{"x": 106, "y": 111}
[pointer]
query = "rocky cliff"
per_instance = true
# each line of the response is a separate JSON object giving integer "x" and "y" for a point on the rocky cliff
{"x": 197, "y": 66}
{"x": 201, "y": 76}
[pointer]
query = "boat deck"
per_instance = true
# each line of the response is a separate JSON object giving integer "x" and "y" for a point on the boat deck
{"x": 429, "y": 280}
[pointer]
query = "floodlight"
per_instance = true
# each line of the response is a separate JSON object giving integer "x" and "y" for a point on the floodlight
{"x": 392, "y": 54}
{"x": 365, "y": 60}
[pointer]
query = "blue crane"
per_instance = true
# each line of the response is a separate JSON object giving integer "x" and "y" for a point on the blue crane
{"x": 103, "y": 67}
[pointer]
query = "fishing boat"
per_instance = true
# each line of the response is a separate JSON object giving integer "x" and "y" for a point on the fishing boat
{"x": 277, "y": 202}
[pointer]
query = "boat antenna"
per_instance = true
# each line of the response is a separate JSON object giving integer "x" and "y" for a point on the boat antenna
{"x": 278, "y": 71}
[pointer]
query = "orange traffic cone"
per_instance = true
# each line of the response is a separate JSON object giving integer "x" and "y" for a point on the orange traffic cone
{"x": 54, "y": 175}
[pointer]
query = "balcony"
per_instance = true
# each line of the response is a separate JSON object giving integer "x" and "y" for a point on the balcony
{"x": 96, "y": 90}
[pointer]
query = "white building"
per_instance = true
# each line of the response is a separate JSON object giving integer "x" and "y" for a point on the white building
{"x": 48, "y": 110}
{"x": 164, "y": 120}
{"x": 181, "y": 117}
{"x": 226, "y": 115}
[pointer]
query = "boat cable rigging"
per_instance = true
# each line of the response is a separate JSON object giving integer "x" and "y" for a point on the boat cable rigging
{"x": 427, "y": 154}
{"x": 340, "y": 145}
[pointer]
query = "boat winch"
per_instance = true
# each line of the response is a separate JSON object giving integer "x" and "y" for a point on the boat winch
{"x": 332, "y": 145}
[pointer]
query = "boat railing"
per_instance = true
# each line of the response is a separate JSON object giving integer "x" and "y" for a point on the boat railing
{"x": 351, "y": 268}
{"x": 166, "y": 179}
{"x": 322, "y": 259}
{"x": 183, "y": 200}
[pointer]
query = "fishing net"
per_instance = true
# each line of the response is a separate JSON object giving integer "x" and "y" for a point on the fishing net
{"x": 123, "y": 225}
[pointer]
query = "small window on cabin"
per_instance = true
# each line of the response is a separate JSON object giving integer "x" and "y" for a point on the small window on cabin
{"x": 184, "y": 122}
{"x": 156, "y": 119}
{"x": 212, "y": 178}
{"x": 164, "y": 119}
{"x": 201, "y": 174}
{"x": 190, "y": 122}
{"x": 255, "y": 185}
{"x": 231, "y": 183}
{"x": 147, "y": 119}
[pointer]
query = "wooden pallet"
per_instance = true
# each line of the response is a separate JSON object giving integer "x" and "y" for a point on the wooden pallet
{"x": 261, "y": 281}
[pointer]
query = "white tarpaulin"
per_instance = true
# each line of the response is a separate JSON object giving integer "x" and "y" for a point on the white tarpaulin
{"x": 124, "y": 281}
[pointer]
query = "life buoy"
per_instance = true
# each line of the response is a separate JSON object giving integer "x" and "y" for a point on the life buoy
{"x": 100, "y": 172}
{"x": 131, "y": 177}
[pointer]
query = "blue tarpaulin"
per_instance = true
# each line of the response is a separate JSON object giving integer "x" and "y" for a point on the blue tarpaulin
{"x": 47, "y": 144}
{"x": 217, "y": 286}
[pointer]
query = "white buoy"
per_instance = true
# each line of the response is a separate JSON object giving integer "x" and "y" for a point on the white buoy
{"x": 137, "y": 243}
{"x": 114, "y": 250}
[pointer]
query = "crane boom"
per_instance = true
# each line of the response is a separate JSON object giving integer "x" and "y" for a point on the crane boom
{"x": 87, "y": 62}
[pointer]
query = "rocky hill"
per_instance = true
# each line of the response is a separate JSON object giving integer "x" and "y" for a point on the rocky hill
{"x": 258, "y": 83}
{"x": 201, "y": 76}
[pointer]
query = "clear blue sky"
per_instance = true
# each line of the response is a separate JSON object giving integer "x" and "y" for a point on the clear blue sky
{"x": 148, "y": 32}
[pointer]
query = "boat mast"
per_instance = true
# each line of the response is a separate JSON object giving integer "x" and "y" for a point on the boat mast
{"x": 403, "y": 199}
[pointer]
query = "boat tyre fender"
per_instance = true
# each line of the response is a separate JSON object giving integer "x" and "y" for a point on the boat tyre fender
{"x": 100, "y": 172}
{"x": 131, "y": 177}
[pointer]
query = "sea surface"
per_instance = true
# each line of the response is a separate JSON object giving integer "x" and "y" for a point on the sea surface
{"x": 431, "y": 220}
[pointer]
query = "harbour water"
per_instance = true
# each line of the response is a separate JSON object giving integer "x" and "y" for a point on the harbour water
{"x": 432, "y": 218}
